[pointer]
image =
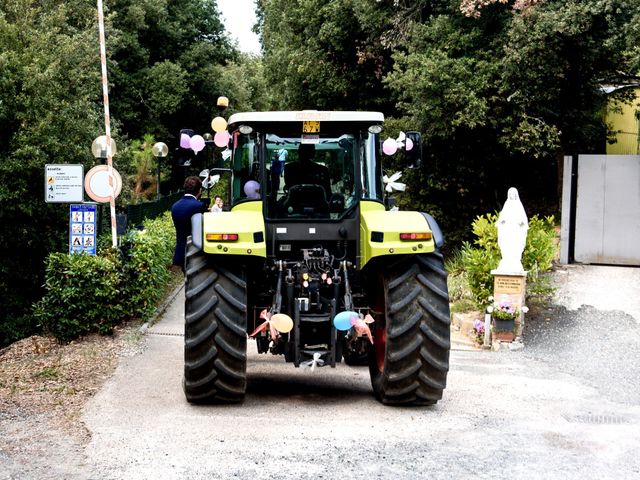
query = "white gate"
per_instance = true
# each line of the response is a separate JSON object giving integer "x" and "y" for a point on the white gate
{"x": 605, "y": 196}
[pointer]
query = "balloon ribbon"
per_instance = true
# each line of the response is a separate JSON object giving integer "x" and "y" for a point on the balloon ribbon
{"x": 265, "y": 325}
{"x": 360, "y": 325}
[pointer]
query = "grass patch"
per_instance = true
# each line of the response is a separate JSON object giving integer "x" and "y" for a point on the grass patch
{"x": 463, "y": 305}
{"x": 48, "y": 373}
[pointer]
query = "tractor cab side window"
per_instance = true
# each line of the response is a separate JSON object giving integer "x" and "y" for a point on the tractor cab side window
{"x": 246, "y": 168}
{"x": 370, "y": 166}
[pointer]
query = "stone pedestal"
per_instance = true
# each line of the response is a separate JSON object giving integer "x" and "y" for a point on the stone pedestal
{"x": 511, "y": 287}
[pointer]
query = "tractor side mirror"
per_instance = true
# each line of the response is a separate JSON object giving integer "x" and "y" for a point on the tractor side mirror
{"x": 414, "y": 156}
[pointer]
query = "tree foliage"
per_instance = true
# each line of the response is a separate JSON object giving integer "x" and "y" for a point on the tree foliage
{"x": 49, "y": 93}
{"x": 325, "y": 54}
{"x": 164, "y": 64}
{"x": 164, "y": 59}
{"x": 502, "y": 96}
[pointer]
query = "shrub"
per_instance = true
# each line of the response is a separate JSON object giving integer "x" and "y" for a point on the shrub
{"x": 459, "y": 293}
{"x": 87, "y": 293}
{"x": 146, "y": 254}
{"x": 484, "y": 255}
{"x": 83, "y": 295}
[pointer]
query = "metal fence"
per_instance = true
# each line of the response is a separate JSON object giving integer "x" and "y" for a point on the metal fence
{"x": 132, "y": 216}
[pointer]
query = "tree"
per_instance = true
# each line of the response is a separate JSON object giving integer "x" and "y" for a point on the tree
{"x": 49, "y": 113}
{"x": 503, "y": 95}
{"x": 500, "y": 89}
{"x": 165, "y": 60}
{"x": 325, "y": 54}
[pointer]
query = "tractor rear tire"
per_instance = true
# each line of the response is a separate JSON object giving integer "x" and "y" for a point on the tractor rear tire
{"x": 409, "y": 360}
{"x": 215, "y": 341}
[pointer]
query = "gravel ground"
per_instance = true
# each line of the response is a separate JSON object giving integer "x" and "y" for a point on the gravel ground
{"x": 44, "y": 387}
{"x": 602, "y": 287}
{"x": 592, "y": 331}
{"x": 598, "y": 346}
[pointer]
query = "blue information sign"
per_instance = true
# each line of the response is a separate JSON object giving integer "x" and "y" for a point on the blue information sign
{"x": 82, "y": 228}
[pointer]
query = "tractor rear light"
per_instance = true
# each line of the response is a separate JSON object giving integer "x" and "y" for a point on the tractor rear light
{"x": 416, "y": 236}
{"x": 222, "y": 237}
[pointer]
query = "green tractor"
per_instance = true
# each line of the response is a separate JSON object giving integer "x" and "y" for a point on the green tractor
{"x": 307, "y": 254}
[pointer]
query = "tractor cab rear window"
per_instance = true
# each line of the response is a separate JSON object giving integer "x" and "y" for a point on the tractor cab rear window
{"x": 294, "y": 179}
{"x": 320, "y": 177}
{"x": 309, "y": 180}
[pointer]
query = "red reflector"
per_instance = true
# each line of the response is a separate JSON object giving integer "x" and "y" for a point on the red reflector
{"x": 222, "y": 237}
{"x": 416, "y": 236}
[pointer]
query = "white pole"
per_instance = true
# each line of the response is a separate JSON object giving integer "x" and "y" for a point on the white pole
{"x": 107, "y": 124}
{"x": 487, "y": 329}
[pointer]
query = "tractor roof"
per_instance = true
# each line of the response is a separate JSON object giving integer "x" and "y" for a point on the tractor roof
{"x": 306, "y": 115}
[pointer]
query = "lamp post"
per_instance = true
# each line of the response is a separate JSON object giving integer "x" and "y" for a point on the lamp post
{"x": 160, "y": 150}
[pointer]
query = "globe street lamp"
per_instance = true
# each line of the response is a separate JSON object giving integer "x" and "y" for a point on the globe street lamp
{"x": 159, "y": 150}
{"x": 99, "y": 148}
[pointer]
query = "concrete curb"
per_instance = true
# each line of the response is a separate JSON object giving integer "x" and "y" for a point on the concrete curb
{"x": 161, "y": 309}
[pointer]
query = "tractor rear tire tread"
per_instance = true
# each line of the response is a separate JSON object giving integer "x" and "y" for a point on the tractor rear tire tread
{"x": 416, "y": 357}
{"x": 215, "y": 342}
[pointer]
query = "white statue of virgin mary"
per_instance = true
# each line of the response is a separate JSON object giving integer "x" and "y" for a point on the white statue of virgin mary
{"x": 512, "y": 233}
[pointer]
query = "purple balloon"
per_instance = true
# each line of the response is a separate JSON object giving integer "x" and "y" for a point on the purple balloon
{"x": 197, "y": 143}
{"x": 252, "y": 189}
{"x": 390, "y": 146}
{"x": 185, "y": 141}
{"x": 221, "y": 139}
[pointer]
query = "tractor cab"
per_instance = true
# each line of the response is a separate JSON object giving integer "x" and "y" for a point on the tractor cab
{"x": 308, "y": 165}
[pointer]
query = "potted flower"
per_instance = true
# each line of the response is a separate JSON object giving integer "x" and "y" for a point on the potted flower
{"x": 503, "y": 318}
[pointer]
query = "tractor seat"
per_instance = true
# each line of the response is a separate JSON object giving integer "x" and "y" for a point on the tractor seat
{"x": 306, "y": 200}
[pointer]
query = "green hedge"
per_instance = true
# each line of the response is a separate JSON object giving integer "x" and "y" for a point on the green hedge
{"x": 86, "y": 294}
{"x": 484, "y": 255}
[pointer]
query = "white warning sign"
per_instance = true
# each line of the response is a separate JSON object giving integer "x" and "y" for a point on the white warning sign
{"x": 63, "y": 183}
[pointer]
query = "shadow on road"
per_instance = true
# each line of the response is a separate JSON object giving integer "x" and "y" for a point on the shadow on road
{"x": 309, "y": 388}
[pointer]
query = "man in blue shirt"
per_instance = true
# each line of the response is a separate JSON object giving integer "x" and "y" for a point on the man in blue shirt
{"x": 181, "y": 213}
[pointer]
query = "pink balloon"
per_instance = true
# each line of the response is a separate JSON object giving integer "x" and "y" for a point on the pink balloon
{"x": 185, "y": 141}
{"x": 389, "y": 146}
{"x": 408, "y": 144}
{"x": 221, "y": 139}
{"x": 197, "y": 143}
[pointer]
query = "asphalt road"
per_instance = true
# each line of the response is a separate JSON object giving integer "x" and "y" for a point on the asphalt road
{"x": 566, "y": 406}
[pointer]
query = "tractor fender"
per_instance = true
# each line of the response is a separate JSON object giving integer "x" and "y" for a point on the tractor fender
{"x": 196, "y": 230}
{"x": 438, "y": 237}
